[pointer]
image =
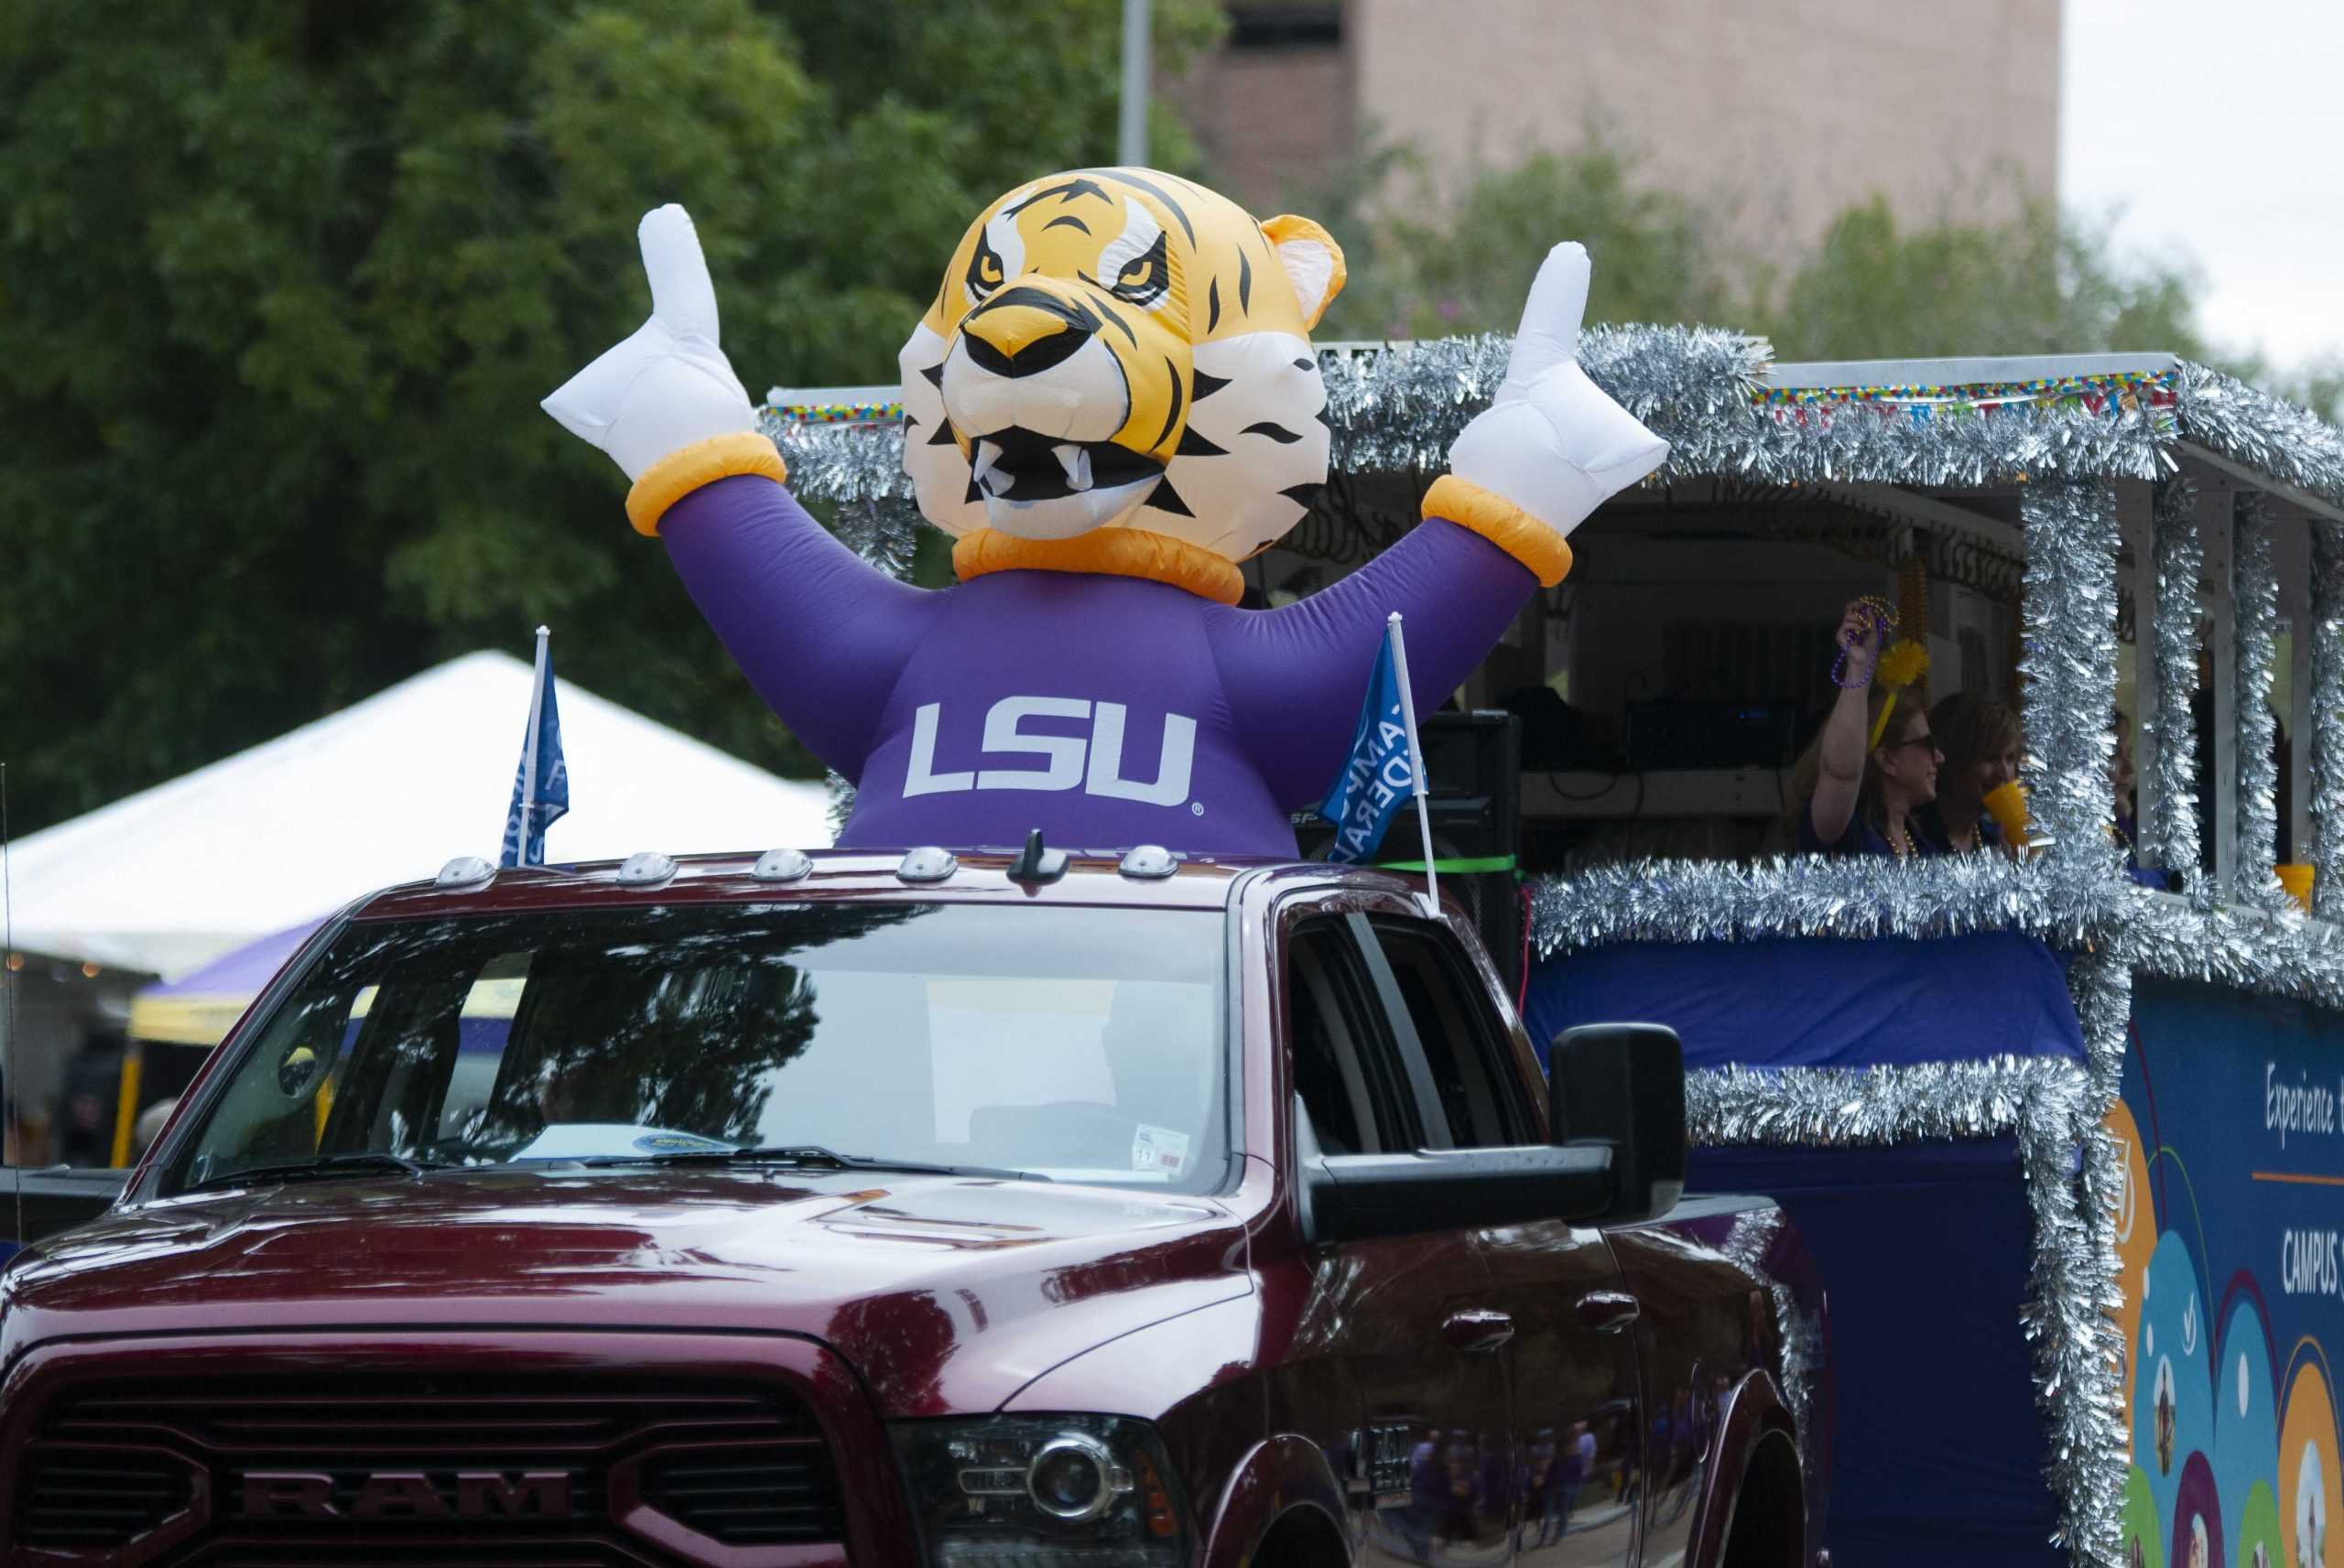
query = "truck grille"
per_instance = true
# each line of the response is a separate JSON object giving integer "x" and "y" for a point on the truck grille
{"x": 301, "y": 1469}
{"x": 95, "y": 1498}
{"x": 759, "y": 1494}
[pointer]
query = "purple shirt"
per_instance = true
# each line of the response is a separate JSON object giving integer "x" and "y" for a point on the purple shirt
{"x": 1107, "y": 711}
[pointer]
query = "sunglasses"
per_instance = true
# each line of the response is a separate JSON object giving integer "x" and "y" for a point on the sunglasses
{"x": 1929, "y": 740}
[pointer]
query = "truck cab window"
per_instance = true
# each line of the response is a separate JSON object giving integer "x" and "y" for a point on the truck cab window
{"x": 1463, "y": 1045}
{"x": 1342, "y": 1083}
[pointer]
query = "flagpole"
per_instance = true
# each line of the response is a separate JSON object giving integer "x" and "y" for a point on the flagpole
{"x": 529, "y": 754}
{"x": 1415, "y": 762}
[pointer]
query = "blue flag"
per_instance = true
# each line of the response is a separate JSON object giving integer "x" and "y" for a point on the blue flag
{"x": 1378, "y": 777}
{"x": 550, "y": 797}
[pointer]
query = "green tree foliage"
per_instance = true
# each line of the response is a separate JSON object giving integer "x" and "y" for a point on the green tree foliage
{"x": 2035, "y": 283}
{"x": 1427, "y": 267}
{"x": 281, "y": 285}
{"x": 1872, "y": 287}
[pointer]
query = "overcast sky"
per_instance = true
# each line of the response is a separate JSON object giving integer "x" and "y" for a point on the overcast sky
{"x": 2218, "y": 133}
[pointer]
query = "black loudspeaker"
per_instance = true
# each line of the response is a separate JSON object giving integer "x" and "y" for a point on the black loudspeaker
{"x": 1473, "y": 794}
{"x": 1474, "y": 785}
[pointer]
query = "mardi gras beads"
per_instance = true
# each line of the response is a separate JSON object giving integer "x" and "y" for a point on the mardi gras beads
{"x": 1883, "y": 616}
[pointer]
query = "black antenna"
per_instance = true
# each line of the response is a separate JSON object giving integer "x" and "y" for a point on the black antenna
{"x": 13, "y": 1152}
{"x": 1037, "y": 863}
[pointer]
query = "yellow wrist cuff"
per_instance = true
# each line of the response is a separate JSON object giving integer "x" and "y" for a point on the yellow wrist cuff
{"x": 685, "y": 469}
{"x": 1502, "y": 524}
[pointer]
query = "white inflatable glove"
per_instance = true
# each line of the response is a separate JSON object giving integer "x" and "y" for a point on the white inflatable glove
{"x": 669, "y": 386}
{"x": 1552, "y": 441}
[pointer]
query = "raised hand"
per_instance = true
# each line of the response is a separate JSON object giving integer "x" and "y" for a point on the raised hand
{"x": 1859, "y": 639}
{"x": 1551, "y": 442}
{"x": 667, "y": 385}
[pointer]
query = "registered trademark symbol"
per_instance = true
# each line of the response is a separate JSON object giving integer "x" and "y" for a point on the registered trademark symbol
{"x": 1196, "y": 808}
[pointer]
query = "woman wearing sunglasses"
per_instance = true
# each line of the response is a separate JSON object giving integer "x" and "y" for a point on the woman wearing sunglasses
{"x": 1861, "y": 785}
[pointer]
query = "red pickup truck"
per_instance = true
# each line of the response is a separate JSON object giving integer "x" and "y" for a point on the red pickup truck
{"x": 795, "y": 1210}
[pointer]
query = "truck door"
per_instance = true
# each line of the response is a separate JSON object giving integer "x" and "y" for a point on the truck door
{"x": 1393, "y": 1344}
{"x": 1571, "y": 1367}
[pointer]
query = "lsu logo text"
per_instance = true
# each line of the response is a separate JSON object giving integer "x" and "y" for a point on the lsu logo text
{"x": 1093, "y": 763}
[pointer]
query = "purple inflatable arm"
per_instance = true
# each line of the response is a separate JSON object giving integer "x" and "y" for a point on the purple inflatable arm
{"x": 822, "y": 634}
{"x": 1295, "y": 677}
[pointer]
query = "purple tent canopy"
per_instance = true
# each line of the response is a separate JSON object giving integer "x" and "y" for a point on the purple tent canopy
{"x": 199, "y": 1009}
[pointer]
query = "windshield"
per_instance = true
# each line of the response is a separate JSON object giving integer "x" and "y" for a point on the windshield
{"x": 1080, "y": 1044}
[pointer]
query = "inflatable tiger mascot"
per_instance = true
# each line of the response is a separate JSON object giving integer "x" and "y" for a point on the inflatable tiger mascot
{"x": 1112, "y": 402}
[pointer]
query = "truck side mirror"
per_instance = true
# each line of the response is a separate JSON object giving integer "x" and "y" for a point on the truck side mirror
{"x": 1621, "y": 1086}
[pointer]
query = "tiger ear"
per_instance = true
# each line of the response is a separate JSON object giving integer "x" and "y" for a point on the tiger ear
{"x": 1313, "y": 263}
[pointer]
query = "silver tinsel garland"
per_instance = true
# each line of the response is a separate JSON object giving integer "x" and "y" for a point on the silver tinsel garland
{"x": 2276, "y": 953}
{"x": 1833, "y": 1108}
{"x": 841, "y": 461}
{"x": 1711, "y": 901}
{"x": 1800, "y": 1335}
{"x": 2071, "y": 1312}
{"x": 2070, "y": 669}
{"x": 2328, "y": 716}
{"x": 2224, "y": 415}
{"x": 2180, "y": 564}
{"x": 1395, "y": 410}
{"x": 1884, "y": 443}
{"x": 882, "y": 533}
{"x": 2255, "y": 593}
{"x": 2047, "y": 1105}
{"x": 2100, "y": 982}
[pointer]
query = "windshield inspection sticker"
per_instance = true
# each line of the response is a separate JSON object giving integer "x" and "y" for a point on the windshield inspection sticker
{"x": 1159, "y": 1149}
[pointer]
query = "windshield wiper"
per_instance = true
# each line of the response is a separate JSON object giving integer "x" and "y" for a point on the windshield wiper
{"x": 331, "y": 1166}
{"x": 811, "y": 1157}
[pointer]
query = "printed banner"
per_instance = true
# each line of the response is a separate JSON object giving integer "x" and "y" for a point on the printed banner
{"x": 1378, "y": 775}
{"x": 2231, "y": 1132}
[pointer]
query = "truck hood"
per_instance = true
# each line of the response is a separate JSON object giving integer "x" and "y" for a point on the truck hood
{"x": 947, "y": 1294}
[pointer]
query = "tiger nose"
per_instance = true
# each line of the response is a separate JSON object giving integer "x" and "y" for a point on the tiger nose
{"x": 1021, "y": 339}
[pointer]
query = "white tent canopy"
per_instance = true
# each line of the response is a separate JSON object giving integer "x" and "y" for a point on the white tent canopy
{"x": 385, "y": 791}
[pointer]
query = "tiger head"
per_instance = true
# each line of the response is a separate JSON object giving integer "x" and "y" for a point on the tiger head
{"x": 1120, "y": 349}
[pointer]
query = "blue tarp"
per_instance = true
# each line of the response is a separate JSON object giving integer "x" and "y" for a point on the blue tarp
{"x": 1938, "y": 1449}
{"x": 1820, "y": 1003}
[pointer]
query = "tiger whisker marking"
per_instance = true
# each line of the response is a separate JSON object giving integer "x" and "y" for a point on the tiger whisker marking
{"x": 1109, "y": 313}
{"x": 1171, "y": 418}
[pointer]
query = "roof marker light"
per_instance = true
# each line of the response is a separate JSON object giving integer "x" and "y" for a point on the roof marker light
{"x": 464, "y": 871}
{"x": 783, "y": 866}
{"x": 645, "y": 868}
{"x": 1152, "y": 861}
{"x": 927, "y": 864}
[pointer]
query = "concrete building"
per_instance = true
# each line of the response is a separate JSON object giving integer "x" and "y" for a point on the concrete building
{"x": 1774, "y": 116}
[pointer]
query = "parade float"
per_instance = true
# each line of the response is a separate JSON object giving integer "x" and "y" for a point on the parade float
{"x": 2066, "y": 1143}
